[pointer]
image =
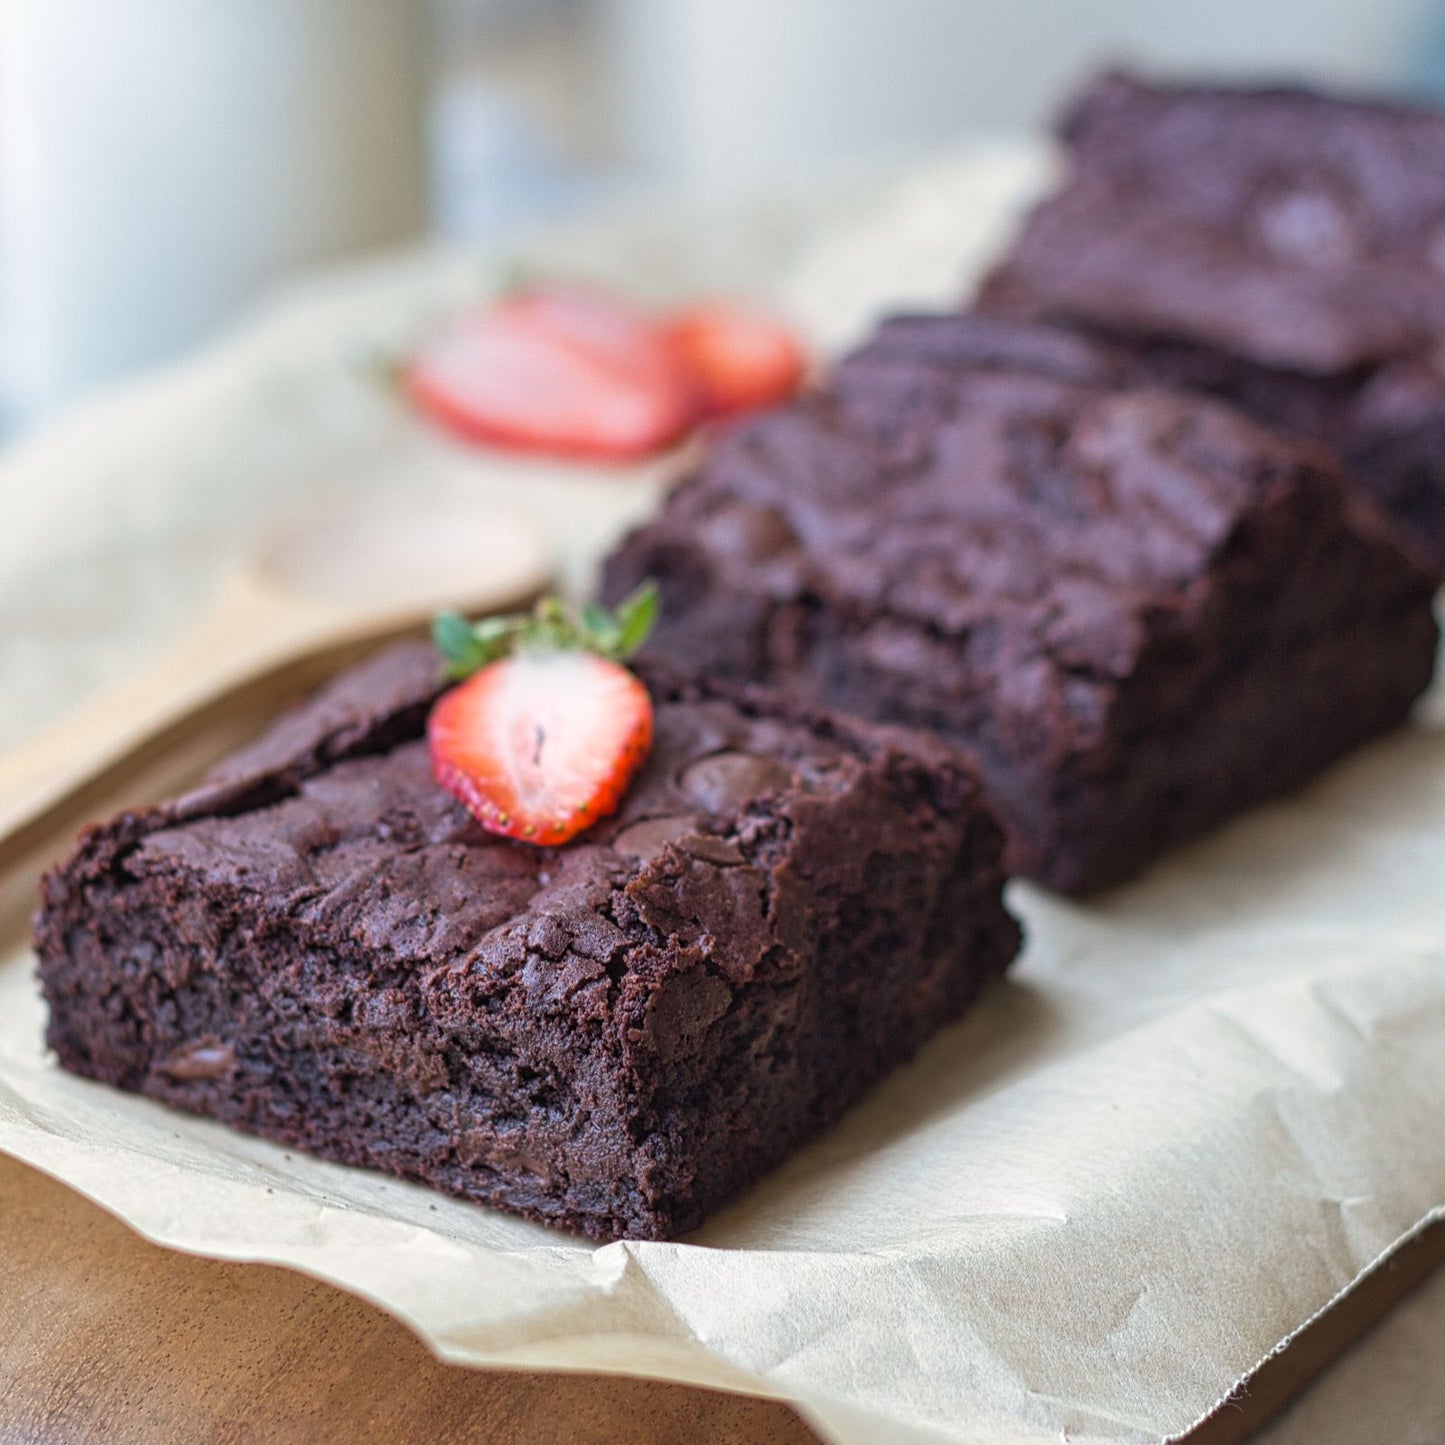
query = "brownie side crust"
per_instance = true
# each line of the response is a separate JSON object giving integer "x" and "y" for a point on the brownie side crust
{"x": 320, "y": 947}
{"x": 1277, "y": 247}
{"x": 1139, "y": 611}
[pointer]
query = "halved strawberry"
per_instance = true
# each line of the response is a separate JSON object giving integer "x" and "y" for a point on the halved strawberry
{"x": 741, "y": 358}
{"x": 545, "y": 736}
{"x": 558, "y": 370}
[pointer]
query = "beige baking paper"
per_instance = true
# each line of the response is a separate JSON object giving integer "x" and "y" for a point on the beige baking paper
{"x": 1199, "y": 1109}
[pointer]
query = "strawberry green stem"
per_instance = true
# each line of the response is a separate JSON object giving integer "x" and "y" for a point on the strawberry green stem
{"x": 551, "y": 626}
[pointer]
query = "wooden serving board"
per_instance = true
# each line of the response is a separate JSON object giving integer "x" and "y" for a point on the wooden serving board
{"x": 107, "y": 1338}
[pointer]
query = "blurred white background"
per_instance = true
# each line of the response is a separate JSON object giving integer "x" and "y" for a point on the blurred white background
{"x": 164, "y": 161}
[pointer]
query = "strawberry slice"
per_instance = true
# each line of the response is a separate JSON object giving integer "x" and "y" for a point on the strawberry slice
{"x": 559, "y": 370}
{"x": 549, "y": 730}
{"x": 542, "y": 745}
{"x": 741, "y": 358}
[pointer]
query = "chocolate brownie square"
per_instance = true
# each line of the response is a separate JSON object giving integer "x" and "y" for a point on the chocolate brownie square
{"x": 321, "y": 947}
{"x": 1137, "y": 609}
{"x": 1278, "y": 247}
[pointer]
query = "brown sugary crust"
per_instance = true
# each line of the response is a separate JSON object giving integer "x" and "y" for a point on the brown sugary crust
{"x": 1278, "y": 247}
{"x": 1137, "y": 609}
{"x": 320, "y": 946}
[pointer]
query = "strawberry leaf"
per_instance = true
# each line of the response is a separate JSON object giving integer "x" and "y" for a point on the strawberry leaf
{"x": 550, "y": 627}
{"x": 457, "y": 642}
{"x": 635, "y": 616}
{"x": 384, "y": 370}
{"x": 513, "y": 277}
{"x": 601, "y": 629}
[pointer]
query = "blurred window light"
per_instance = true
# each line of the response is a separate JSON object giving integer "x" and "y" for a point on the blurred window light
{"x": 161, "y": 161}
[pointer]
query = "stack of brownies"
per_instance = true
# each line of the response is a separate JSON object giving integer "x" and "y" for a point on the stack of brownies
{"x": 1151, "y": 536}
{"x": 1278, "y": 248}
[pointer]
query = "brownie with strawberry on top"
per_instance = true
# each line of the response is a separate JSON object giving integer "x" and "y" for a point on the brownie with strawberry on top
{"x": 593, "y": 947}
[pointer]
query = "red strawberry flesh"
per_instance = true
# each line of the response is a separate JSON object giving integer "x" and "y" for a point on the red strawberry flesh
{"x": 540, "y": 746}
{"x": 560, "y": 371}
{"x": 741, "y": 358}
